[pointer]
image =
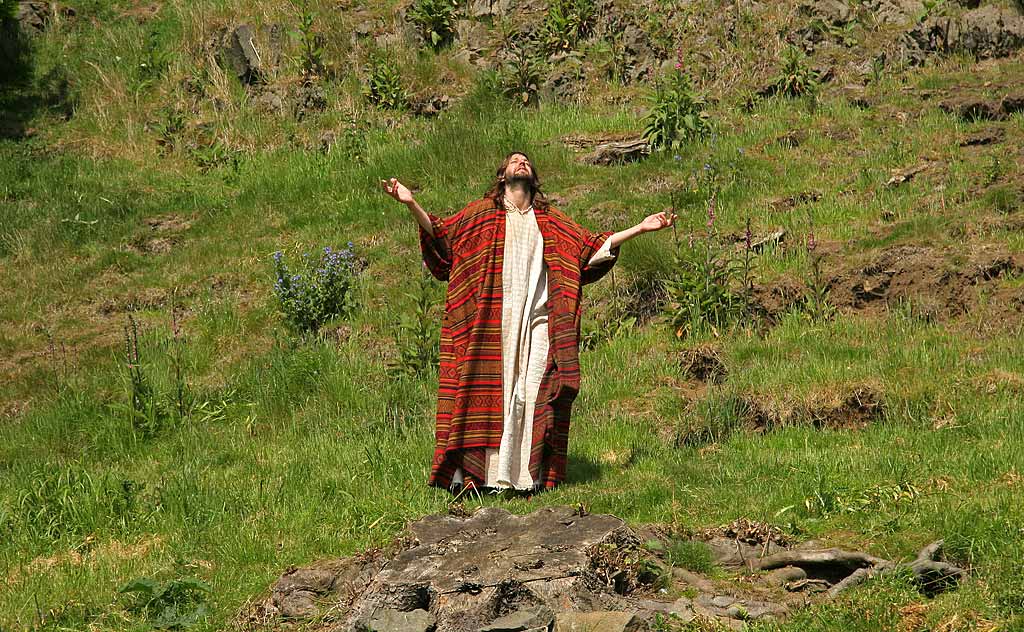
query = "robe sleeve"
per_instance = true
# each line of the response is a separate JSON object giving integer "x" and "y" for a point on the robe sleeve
{"x": 596, "y": 260}
{"x": 437, "y": 248}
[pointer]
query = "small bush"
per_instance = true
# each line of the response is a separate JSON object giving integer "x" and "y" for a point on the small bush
{"x": 796, "y": 78}
{"x": 384, "y": 84}
{"x": 700, "y": 293}
{"x": 519, "y": 76}
{"x": 435, "y": 21}
{"x": 418, "y": 344}
{"x": 322, "y": 289}
{"x": 178, "y": 603}
{"x": 8, "y": 9}
{"x": 677, "y": 113}
{"x": 567, "y": 22}
{"x": 311, "y": 44}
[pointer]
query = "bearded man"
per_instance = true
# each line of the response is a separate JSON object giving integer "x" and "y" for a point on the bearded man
{"x": 509, "y": 374}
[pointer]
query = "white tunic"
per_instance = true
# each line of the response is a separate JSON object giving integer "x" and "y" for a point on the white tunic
{"x": 524, "y": 345}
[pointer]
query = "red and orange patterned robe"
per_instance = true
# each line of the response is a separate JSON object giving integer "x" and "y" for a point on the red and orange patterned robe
{"x": 467, "y": 251}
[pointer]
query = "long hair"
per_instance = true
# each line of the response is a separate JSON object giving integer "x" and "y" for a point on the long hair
{"x": 497, "y": 190}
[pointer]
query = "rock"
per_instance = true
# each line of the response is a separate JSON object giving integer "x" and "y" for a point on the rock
{"x": 723, "y": 601}
{"x": 786, "y": 574}
{"x": 34, "y": 17}
{"x": 522, "y": 620}
{"x": 895, "y": 11}
{"x": 564, "y": 81}
{"x": 683, "y": 609}
{"x": 429, "y": 104}
{"x": 599, "y": 622}
{"x": 239, "y": 55}
{"x": 488, "y": 9}
{"x": 464, "y": 570}
{"x": 988, "y": 31}
{"x": 832, "y": 12}
{"x": 397, "y": 621}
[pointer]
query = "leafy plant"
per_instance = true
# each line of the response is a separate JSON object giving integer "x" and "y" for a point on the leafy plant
{"x": 384, "y": 84}
{"x": 311, "y": 44}
{"x": 418, "y": 345}
{"x": 156, "y": 59}
{"x": 145, "y": 409}
{"x": 520, "y": 76}
{"x": 174, "y": 604}
{"x": 435, "y": 21}
{"x": 700, "y": 293}
{"x": 611, "y": 58}
{"x": 816, "y": 303}
{"x": 8, "y": 9}
{"x": 322, "y": 289}
{"x": 677, "y": 113}
{"x": 566, "y": 23}
{"x": 796, "y": 78}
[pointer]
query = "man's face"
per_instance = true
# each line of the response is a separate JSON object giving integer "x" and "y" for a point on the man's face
{"x": 519, "y": 168}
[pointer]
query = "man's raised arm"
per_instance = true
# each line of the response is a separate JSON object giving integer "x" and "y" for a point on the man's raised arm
{"x": 400, "y": 192}
{"x": 649, "y": 224}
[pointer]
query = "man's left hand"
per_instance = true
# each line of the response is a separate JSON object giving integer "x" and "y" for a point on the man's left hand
{"x": 657, "y": 221}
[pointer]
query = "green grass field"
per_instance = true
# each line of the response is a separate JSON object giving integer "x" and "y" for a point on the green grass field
{"x": 296, "y": 450}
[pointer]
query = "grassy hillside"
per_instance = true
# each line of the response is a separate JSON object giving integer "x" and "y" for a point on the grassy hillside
{"x": 142, "y": 180}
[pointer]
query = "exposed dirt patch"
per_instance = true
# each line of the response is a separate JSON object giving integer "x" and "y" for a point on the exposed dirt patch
{"x": 161, "y": 234}
{"x": 775, "y": 298}
{"x": 987, "y": 136}
{"x": 790, "y": 202}
{"x": 168, "y": 223}
{"x": 703, "y": 363}
{"x": 976, "y": 106}
{"x": 937, "y": 283}
{"x": 851, "y": 406}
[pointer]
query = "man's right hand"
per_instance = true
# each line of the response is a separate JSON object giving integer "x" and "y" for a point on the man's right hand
{"x": 397, "y": 190}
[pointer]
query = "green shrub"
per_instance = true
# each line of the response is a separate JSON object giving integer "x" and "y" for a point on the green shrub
{"x": 311, "y": 44}
{"x": 418, "y": 344}
{"x": 700, "y": 292}
{"x": 8, "y": 9}
{"x": 384, "y": 84}
{"x": 796, "y": 77}
{"x": 174, "y": 604}
{"x": 321, "y": 290}
{"x": 435, "y": 21}
{"x": 566, "y": 23}
{"x": 677, "y": 113}
{"x": 519, "y": 76}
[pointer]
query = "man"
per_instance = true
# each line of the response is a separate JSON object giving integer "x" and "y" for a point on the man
{"x": 509, "y": 373}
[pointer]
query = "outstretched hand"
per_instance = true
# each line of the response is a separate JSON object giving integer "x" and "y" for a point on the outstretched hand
{"x": 397, "y": 190}
{"x": 657, "y": 221}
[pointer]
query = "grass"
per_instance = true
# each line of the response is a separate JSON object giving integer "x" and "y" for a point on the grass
{"x": 298, "y": 452}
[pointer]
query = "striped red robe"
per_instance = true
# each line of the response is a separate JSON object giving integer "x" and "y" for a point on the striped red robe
{"x": 467, "y": 250}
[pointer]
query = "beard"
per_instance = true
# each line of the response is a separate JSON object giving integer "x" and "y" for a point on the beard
{"x": 520, "y": 180}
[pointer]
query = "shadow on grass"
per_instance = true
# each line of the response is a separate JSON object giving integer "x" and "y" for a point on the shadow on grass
{"x": 22, "y": 95}
{"x": 582, "y": 470}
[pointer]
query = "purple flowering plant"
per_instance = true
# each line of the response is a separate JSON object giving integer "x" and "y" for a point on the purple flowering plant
{"x": 319, "y": 289}
{"x": 701, "y": 290}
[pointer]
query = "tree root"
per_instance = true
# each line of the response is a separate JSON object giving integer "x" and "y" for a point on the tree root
{"x": 845, "y": 569}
